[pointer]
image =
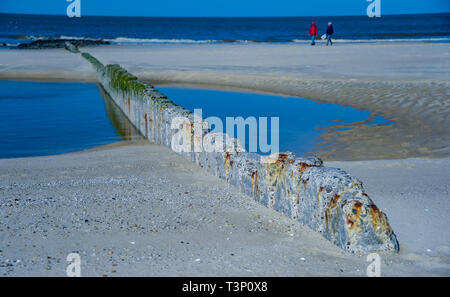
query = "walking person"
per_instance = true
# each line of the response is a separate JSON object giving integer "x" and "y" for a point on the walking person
{"x": 330, "y": 32}
{"x": 313, "y": 31}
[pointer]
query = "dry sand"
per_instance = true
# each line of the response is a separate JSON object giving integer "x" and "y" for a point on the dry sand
{"x": 43, "y": 216}
{"x": 143, "y": 210}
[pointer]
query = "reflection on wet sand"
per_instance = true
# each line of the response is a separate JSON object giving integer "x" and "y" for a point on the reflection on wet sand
{"x": 125, "y": 129}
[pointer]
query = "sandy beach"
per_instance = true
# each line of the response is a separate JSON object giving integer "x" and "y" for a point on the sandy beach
{"x": 113, "y": 205}
{"x": 143, "y": 210}
{"x": 387, "y": 79}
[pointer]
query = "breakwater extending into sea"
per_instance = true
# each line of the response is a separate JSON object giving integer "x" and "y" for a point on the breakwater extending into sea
{"x": 328, "y": 200}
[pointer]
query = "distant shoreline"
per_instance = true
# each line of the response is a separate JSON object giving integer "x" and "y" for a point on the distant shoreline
{"x": 223, "y": 30}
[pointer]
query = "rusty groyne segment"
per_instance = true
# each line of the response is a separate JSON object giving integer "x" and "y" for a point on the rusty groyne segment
{"x": 328, "y": 200}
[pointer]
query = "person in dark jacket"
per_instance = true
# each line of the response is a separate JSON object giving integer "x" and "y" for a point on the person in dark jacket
{"x": 313, "y": 31}
{"x": 330, "y": 32}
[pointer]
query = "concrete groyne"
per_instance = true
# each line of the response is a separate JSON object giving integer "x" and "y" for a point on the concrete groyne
{"x": 328, "y": 200}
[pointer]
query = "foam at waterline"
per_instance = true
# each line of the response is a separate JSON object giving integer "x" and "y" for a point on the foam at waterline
{"x": 397, "y": 40}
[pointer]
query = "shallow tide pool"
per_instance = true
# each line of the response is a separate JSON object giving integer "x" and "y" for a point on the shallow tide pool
{"x": 47, "y": 118}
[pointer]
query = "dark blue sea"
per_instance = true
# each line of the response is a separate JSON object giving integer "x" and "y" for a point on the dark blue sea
{"x": 301, "y": 121}
{"x": 15, "y": 29}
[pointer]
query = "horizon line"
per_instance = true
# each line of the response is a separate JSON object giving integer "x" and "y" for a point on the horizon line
{"x": 286, "y": 16}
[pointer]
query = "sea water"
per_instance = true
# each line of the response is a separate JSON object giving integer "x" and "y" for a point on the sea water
{"x": 47, "y": 118}
{"x": 15, "y": 29}
{"x": 301, "y": 121}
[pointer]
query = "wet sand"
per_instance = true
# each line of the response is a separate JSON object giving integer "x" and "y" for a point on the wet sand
{"x": 407, "y": 84}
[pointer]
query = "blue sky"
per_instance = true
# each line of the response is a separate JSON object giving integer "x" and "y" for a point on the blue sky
{"x": 224, "y": 7}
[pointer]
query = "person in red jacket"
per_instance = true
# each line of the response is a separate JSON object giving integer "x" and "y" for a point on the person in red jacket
{"x": 313, "y": 31}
